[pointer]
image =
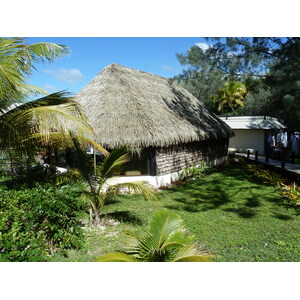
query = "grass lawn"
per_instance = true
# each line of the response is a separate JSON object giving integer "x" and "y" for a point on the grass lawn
{"x": 231, "y": 213}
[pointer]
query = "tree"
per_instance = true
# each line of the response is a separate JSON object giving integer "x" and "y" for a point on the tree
{"x": 271, "y": 62}
{"x": 17, "y": 60}
{"x": 101, "y": 190}
{"x": 200, "y": 79}
{"x": 230, "y": 97}
{"x": 45, "y": 121}
{"x": 166, "y": 240}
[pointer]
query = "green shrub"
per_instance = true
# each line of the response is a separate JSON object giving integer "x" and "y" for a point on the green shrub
{"x": 36, "y": 222}
{"x": 292, "y": 192}
{"x": 194, "y": 171}
{"x": 269, "y": 177}
{"x": 71, "y": 177}
{"x": 272, "y": 178}
{"x": 254, "y": 169}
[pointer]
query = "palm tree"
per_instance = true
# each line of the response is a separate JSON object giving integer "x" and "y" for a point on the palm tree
{"x": 17, "y": 61}
{"x": 45, "y": 121}
{"x": 231, "y": 95}
{"x": 101, "y": 190}
{"x": 165, "y": 240}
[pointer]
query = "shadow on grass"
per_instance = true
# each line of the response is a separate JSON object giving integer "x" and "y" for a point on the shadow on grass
{"x": 231, "y": 189}
{"x": 243, "y": 212}
{"x": 112, "y": 200}
{"x": 211, "y": 195}
{"x": 282, "y": 216}
{"x": 124, "y": 217}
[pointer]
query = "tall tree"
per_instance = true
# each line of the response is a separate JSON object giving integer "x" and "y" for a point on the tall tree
{"x": 271, "y": 61}
{"x": 200, "y": 79}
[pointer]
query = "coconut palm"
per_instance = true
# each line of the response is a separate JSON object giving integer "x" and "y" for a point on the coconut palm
{"x": 101, "y": 190}
{"x": 17, "y": 59}
{"x": 231, "y": 95}
{"x": 46, "y": 120}
{"x": 165, "y": 240}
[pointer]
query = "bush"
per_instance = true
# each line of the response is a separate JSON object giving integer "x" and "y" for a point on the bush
{"x": 194, "y": 171}
{"x": 292, "y": 192}
{"x": 269, "y": 177}
{"x": 71, "y": 177}
{"x": 36, "y": 222}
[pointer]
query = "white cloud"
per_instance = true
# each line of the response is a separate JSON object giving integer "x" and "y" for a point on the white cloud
{"x": 203, "y": 46}
{"x": 49, "y": 88}
{"x": 71, "y": 76}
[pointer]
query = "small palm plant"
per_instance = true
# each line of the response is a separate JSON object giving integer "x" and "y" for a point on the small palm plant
{"x": 166, "y": 240}
{"x": 100, "y": 190}
{"x": 231, "y": 96}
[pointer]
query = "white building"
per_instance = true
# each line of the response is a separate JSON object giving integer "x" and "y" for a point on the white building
{"x": 252, "y": 132}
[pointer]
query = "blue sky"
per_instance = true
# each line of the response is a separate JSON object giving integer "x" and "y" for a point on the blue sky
{"x": 89, "y": 55}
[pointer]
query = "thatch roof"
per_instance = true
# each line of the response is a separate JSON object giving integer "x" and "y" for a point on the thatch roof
{"x": 139, "y": 109}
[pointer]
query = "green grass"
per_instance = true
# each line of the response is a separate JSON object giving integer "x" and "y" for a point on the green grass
{"x": 231, "y": 213}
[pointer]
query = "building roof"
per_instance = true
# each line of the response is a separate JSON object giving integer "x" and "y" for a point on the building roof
{"x": 130, "y": 107}
{"x": 253, "y": 122}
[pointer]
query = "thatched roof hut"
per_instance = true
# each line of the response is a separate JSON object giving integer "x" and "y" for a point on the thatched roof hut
{"x": 143, "y": 110}
{"x": 127, "y": 106}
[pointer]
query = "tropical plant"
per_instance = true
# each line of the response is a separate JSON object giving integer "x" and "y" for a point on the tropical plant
{"x": 100, "y": 190}
{"x": 17, "y": 59}
{"x": 292, "y": 192}
{"x": 45, "y": 121}
{"x": 254, "y": 168}
{"x": 270, "y": 177}
{"x": 231, "y": 96}
{"x": 194, "y": 171}
{"x": 268, "y": 66}
{"x": 166, "y": 240}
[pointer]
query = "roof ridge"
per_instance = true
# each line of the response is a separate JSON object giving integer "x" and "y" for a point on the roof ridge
{"x": 118, "y": 66}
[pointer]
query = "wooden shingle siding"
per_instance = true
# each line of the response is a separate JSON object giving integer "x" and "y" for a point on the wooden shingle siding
{"x": 177, "y": 157}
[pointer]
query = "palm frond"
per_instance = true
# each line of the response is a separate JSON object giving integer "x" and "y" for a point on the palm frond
{"x": 137, "y": 187}
{"x": 39, "y": 119}
{"x": 190, "y": 253}
{"x": 95, "y": 145}
{"x": 116, "y": 257}
{"x": 44, "y": 52}
{"x": 165, "y": 240}
{"x": 25, "y": 90}
{"x": 163, "y": 225}
{"x": 17, "y": 60}
{"x": 114, "y": 162}
{"x": 240, "y": 103}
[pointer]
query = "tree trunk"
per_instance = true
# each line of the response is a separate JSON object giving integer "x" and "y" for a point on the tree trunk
{"x": 69, "y": 158}
{"x": 97, "y": 218}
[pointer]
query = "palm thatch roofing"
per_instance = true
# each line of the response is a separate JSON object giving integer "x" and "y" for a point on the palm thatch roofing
{"x": 131, "y": 107}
